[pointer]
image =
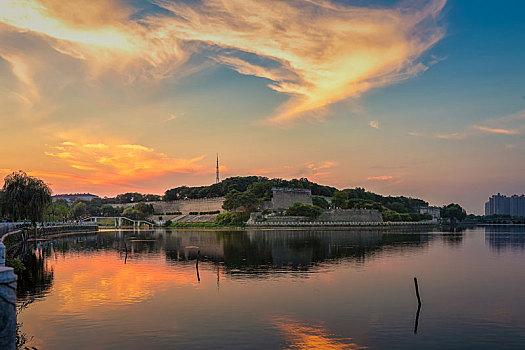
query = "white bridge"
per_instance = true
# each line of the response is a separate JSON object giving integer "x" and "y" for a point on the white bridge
{"x": 118, "y": 220}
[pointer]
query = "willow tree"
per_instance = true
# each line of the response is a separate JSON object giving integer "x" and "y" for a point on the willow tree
{"x": 25, "y": 197}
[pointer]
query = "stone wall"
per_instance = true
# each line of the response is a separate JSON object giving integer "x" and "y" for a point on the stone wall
{"x": 327, "y": 218}
{"x": 351, "y": 215}
{"x": 284, "y": 198}
{"x": 7, "y": 304}
{"x": 184, "y": 206}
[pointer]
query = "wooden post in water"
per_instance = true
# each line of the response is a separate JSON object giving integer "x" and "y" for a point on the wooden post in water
{"x": 197, "y": 265}
{"x": 416, "y": 323}
{"x": 417, "y": 291}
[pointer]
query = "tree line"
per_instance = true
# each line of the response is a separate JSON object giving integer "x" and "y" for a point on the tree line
{"x": 27, "y": 198}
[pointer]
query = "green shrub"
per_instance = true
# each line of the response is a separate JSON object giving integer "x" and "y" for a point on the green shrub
{"x": 301, "y": 209}
{"x": 232, "y": 219}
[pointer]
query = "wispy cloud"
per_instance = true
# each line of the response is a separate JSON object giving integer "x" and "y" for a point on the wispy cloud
{"x": 496, "y": 130}
{"x": 513, "y": 124}
{"x": 318, "y": 52}
{"x": 451, "y": 136}
{"x": 380, "y": 178}
{"x": 374, "y": 124}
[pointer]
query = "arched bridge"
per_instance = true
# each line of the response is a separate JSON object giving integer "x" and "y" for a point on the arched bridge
{"x": 118, "y": 220}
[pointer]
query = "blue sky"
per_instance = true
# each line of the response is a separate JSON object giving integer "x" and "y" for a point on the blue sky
{"x": 420, "y": 98}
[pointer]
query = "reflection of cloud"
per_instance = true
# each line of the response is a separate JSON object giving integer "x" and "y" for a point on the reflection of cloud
{"x": 319, "y": 52}
{"x": 303, "y": 336}
{"x": 88, "y": 283}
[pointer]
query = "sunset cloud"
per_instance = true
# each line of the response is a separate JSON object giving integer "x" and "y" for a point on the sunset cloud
{"x": 117, "y": 164}
{"x": 380, "y": 178}
{"x": 317, "y": 52}
{"x": 496, "y": 130}
{"x": 510, "y": 125}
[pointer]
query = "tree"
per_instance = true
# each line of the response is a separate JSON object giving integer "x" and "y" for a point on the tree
{"x": 131, "y": 213}
{"x": 339, "y": 200}
{"x": 143, "y": 210}
{"x": 25, "y": 197}
{"x": 57, "y": 211}
{"x": 453, "y": 211}
{"x": 320, "y": 202}
{"x": 240, "y": 201}
{"x": 78, "y": 210}
{"x": 301, "y": 209}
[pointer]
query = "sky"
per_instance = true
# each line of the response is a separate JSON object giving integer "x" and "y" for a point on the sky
{"x": 415, "y": 98}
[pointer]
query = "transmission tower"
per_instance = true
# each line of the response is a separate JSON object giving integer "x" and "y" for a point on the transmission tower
{"x": 217, "y": 180}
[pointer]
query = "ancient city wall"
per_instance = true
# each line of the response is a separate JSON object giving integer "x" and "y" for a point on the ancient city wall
{"x": 327, "y": 218}
{"x": 184, "y": 206}
{"x": 354, "y": 215}
{"x": 284, "y": 198}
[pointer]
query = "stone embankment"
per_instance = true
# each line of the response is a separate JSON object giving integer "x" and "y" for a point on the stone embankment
{"x": 331, "y": 218}
{"x": 295, "y": 223}
{"x": 15, "y": 235}
{"x": 7, "y": 302}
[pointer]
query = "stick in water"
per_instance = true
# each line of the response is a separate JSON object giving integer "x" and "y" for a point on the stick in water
{"x": 417, "y": 291}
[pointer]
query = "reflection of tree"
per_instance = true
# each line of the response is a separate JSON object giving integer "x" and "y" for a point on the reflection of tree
{"x": 22, "y": 338}
{"x": 35, "y": 280}
{"x": 261, "y": 252}
{"x": 455, "y": 239}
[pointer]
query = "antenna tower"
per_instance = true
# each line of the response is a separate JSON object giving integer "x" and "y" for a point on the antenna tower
{"x": 217, "y": 170}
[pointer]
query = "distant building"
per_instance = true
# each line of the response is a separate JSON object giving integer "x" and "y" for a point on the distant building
{"x": 73, "y": 197}
{"x": 499, "y": 204}
{"x": 284, "y": 198}
{"x": 517, "y": 205}
{"x": 434, "y": 211}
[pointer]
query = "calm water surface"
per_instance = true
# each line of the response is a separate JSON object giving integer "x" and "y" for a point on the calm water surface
{"x": 276, "y": 290}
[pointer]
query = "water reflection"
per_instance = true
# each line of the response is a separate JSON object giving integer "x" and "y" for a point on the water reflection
{"x": 251, "y": 252}
{"x": 304, "y": 336}
{"x": 262, "y": 252}
{"x": 272, "y": 289}
{"x": 501, "y": 238}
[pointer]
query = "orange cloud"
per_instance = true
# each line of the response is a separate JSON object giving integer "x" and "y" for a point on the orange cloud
{"x": 374, "y": 124}
{"x": 110, "y": 164}
{"x": 496, "y": 130}
{"x": 380, "y": 178}
{"x": 317, "y": 52}
{"x": 318, "y": 166}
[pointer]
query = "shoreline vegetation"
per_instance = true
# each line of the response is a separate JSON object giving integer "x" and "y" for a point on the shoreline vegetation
{"x": 244, "y": 199}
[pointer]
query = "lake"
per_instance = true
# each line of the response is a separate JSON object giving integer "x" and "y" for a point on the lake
{"x": 276, "y": 289}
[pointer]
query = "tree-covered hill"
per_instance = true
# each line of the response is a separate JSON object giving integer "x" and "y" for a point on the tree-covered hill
{"x": 261, "y": 188}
